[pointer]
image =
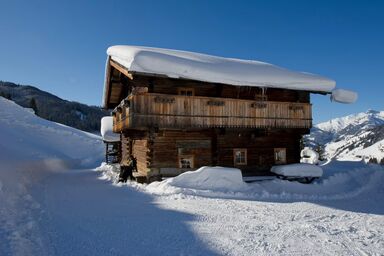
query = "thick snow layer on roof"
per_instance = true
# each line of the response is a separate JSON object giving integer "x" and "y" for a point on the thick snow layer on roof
{"x": 106, "y": 130}
{"x": 202, "y": 67}
{"x": 298, "y": 170}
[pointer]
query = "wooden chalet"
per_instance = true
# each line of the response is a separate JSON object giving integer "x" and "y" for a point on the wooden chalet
{"x": 177, "y": 111}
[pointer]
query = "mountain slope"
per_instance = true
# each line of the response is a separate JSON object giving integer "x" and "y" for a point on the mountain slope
{"x": 53, "y": 108}
{"x": 25, "y": 136}
{"x": 357, "y": 136}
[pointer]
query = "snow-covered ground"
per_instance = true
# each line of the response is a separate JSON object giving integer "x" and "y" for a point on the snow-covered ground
{"x": 52, "y": 203}
{"x": 341, "y": 214}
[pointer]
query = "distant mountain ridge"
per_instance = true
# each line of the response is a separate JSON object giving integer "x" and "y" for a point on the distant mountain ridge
{"x": 53, "y": 108}
{"x": 353, "y": 137}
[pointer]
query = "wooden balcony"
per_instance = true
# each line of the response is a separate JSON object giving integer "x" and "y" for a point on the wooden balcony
{"x": 175, "y": 111}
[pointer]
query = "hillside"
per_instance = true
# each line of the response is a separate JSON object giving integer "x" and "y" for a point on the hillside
{"x": 353, "y": 137}
{"x": 27, "y": 137}
{"x": 53, "y": 108}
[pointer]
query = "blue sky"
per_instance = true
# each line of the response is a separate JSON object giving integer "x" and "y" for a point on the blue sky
{"x": 59, "y": 46}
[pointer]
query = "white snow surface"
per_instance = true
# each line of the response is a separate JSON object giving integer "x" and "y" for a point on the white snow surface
{"x": 210, "y": 178}
{"x": 376, "y": 150}
{"x": 202, "y": 67}
{"x": 298, "y": 170}
{"x": 52, "y": 204}
{"x": 309, "y": 156}
{"x": 344, "y": 96}
{"x": 106, "y": 130}
{"x": 26, "y": 136}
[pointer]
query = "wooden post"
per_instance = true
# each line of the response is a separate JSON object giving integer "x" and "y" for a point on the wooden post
{"x": 214, "y": 152}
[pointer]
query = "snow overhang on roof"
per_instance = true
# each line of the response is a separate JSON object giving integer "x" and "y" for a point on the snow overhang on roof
{"x": 106, "y": 130}
{"x": 207, "y": 68}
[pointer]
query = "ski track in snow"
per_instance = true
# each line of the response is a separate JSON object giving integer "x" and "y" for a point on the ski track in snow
{"x": 239, "y": 227}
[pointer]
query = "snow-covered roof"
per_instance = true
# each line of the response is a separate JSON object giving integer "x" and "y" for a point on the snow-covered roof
{"x": 207, "y": 68}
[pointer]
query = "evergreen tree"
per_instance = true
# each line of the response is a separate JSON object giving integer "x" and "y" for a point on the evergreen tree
{"x": 6, "y": 95}
{"x": 33, "y": 105}
{"x": 319, "y": 148}
{"x": 303, "y": 142}
{"x": 373, "y": 160}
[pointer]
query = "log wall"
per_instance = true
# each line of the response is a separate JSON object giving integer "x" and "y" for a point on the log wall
{"x": 165, "y": 85}
{"x": 260, "y": 145}
{"x": 120, "y": 86}
{"x": 158, "y": 152}
{"x": 169, "y": 145}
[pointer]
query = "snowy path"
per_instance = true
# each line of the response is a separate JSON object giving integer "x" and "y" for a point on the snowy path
{"x": 88, "y": 216}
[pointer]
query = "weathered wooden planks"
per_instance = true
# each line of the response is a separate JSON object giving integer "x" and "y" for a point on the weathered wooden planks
{"x": 161, "y": 150}
{"x": 175, "y": 111}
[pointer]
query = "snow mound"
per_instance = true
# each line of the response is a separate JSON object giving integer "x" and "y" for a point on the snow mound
{"x": 298, "y": 170}
{"x": 340, "y": 180}
{"x": 106, "y": 130}
{"x": 210, "y": 178}
{"x": 202, "y": 67}
{"x": 309, "y": 156}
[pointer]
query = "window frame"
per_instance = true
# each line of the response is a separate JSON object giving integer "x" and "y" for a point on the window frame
{"x": 192, "y": 161}
{"x": 241, "y": 150}
{"x": 186, "y": 89}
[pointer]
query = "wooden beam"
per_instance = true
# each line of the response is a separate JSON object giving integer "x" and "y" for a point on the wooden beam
{"x": 121, "y": 69}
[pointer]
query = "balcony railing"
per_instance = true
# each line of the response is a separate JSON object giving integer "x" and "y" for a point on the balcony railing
{"x": 175, "y": 111}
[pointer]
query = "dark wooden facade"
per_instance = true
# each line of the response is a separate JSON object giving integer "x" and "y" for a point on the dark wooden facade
{"x": 174, "y": 125}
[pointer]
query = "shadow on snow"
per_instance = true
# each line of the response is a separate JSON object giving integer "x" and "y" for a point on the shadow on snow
{"x": 88, "y": 216}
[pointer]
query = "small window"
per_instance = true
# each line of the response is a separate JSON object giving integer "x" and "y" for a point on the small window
{"x": 186, "y": 162}
{"x": 240, "y": 156}
{"x": 186, "y": 91}
{"x": 280, "y": 156}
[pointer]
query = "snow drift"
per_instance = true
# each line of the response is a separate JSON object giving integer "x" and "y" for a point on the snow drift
{"x": 298, "y": 170}
{"x": 219, "y": 178}
{"x": 340, "y": 180}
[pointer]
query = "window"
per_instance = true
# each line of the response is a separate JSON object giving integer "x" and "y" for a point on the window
{"x": 186, "y": 162}
{"x": 240, "y": 156}
{"x": 186, "y": 91}
{"x": 280, "y": 156}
